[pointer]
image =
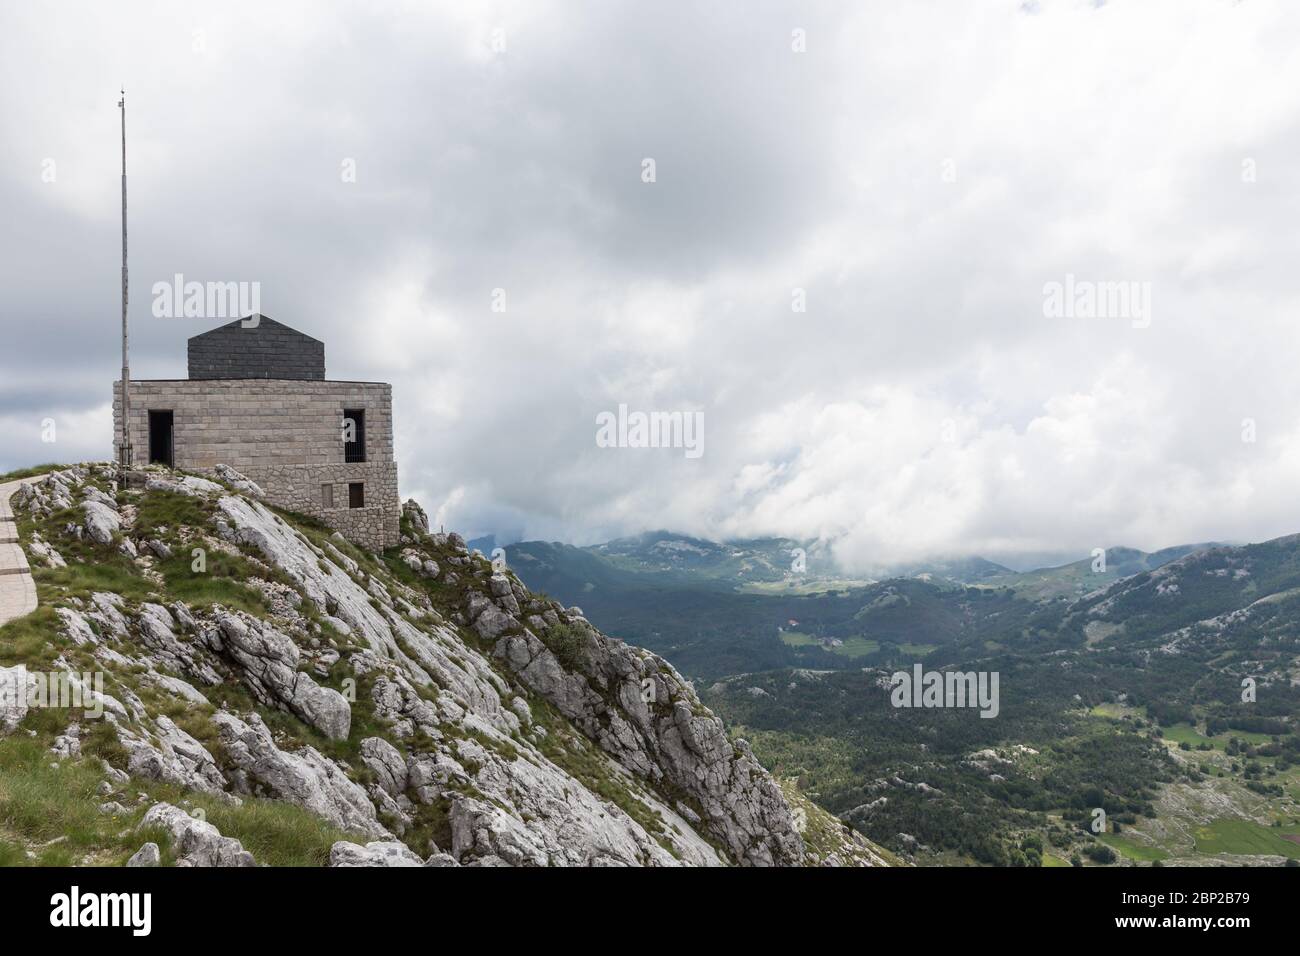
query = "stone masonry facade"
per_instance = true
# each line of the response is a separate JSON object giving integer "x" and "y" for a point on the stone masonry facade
{"x": 287, "y": 435}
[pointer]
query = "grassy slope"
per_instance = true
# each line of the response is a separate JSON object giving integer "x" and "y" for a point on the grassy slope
{"x": 50, "y": 809}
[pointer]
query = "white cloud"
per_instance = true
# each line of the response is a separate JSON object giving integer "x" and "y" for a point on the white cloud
{"x": 922, "y": 403}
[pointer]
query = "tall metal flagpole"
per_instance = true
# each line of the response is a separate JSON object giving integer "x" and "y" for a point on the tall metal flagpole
{"x": 124, "y": 449}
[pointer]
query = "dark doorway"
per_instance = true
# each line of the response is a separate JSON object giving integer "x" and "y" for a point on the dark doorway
{"x": 160, "y": 438}
{"x": 356, "y": 495}
{"x": 354, "y": 434}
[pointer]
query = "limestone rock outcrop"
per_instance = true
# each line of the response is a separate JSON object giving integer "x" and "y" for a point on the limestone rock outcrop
{"x": 268, "y": 661}
{"x": 423, "y": 702}
{"x": 196, "y": 842}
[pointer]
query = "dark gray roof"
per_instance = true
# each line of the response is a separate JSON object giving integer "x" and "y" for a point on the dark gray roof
{"x": 269, "y": 349}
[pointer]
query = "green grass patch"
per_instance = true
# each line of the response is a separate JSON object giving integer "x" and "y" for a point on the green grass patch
{"x": 1247, "y": 838}
{"x": 1132, "y": 849}
{"x": 856, "y": 647}
{"x": 851, "y": 647}
{"x": 103, "y": 742}
{"x": 24, "y": 640}
{"x": 221, "y": 581}
{"x": 1186, "y": 733}
{"x": 797, "y": 639}
{"x": 41, "y": 803}
{"x": 568, "y": 644}
{"x": 275, "y": 832}
{"x": 103, "y": 571}
{"x": 917, "y": 650}
{"x": 170, "y": 509}
{"x": 1111, "y": 711}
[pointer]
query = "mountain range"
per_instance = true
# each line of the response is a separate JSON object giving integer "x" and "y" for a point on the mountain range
{"x": 723, "y": 608}
{"x": 1160, "y": 688}
{"x": 771, "y": 565}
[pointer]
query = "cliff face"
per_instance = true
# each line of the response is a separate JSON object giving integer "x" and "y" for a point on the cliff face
{"x": 421, "y": 704}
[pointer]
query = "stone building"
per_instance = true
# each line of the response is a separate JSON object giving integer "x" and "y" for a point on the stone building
{"x": 257, "y": 400}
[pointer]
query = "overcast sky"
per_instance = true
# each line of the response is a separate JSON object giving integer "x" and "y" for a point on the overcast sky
{"x": 921, "y": 170}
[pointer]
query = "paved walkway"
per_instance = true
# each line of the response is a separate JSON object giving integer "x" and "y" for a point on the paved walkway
{"x": 17, "y": 589}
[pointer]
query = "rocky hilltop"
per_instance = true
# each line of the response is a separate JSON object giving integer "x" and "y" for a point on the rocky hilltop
{"x": 271, "y": 693}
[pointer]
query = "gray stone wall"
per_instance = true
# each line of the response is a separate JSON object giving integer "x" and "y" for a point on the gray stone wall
{"x": 268, "y": 350}
{"x": 285, "y": 435}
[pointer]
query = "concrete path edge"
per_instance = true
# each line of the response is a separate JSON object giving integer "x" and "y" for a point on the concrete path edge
{"x": 17, "y": 589}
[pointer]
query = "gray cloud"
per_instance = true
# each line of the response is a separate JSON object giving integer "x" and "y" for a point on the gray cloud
{"x": 923, "y": 402}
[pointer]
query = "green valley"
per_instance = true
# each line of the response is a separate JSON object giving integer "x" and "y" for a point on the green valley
{"x": 1161, "y": 692}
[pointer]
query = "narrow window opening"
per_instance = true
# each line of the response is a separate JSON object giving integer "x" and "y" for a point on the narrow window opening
{"x": 354, "y": 434}
{"x": 327, "y": 497}
{"x": 357, "y": 495}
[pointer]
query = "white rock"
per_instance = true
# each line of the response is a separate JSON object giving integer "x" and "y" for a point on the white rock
{"x": 304, "y": 777}
{"x": 268, "y": 661}
{"x": 197, "y": 842}
{"x": 147, "y": 855}
{"x": 14, "y": 685}
{"x": 102, "y": 522}
{"x": 384, "y": 853}
{"x": 238, "y": 481}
